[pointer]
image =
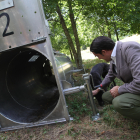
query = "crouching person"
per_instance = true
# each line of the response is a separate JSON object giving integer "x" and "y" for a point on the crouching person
{"x": 124, "y": 64}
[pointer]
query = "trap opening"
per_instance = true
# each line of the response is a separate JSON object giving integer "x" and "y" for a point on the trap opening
{"x": 28, "y": 88}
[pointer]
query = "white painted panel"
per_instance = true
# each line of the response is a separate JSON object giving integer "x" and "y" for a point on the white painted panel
{"x": 4, "y": 4}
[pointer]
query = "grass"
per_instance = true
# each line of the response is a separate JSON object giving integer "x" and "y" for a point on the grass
{"x": 111, "y": 125}
{"x": 88, "y": 64}
{"x": 109, "y": 117}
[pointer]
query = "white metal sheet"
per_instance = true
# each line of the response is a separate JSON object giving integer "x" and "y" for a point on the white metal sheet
{"x": 21, "y": 24}
{"x": 4, "y": 4}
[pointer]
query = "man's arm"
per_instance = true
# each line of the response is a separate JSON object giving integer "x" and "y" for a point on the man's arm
{"x": 108, "y": 78}
{"x": 132, "y": 58}
{"x": 94, "y": 92}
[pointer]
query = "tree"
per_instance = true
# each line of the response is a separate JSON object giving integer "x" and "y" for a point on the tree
{"x": 130, "y": 14}
{"x": 75, "y": 23}
{"x": 101, "y": 10}
{"x": 66, "y": 16}
{"x": 108, "y": 18}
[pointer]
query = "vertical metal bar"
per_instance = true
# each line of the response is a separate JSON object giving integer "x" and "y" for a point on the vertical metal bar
{"x": 95, "y": 116}
{"x": 59, "y": 85}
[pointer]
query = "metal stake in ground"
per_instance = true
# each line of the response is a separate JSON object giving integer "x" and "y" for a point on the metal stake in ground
{"x": 95, "y": 116}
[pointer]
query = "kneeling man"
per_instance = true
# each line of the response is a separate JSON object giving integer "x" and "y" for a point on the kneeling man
{"x": 124, "y": 60}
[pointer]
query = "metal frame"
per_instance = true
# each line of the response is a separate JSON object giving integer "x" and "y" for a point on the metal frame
{"x": 26, "y": 34}
{"x": 30, "y": 32}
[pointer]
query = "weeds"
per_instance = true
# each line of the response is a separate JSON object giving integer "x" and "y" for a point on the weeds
{"x": 78, "y": 105}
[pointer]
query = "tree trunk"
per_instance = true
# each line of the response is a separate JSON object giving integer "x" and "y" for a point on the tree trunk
{"x": 71, "y": 53}
{"x": 78, "y": 61}
{"x": 116, "y": 31}
{"x": 101, "y": 27}
{"x": 109, "y": 33}
{"x": 62, "y": 21}
{"x": 73, "y": 23}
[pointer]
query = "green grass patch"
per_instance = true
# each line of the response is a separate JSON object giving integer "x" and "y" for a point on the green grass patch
{"x": 78, "y": 105}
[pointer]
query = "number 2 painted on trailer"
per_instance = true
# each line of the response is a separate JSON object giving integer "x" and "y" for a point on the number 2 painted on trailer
{"x": 8, "y": 21}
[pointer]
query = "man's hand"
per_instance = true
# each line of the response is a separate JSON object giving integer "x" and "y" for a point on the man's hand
{"x": 114, "y": 91}
{"x": 94, "y": 92}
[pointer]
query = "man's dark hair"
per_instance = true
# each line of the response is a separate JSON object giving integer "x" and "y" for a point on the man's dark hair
{"x": 101, "y": 43}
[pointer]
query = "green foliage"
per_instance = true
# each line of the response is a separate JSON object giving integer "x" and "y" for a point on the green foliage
{"x": 130, "y": 14}
{"x": 78, "y": 105}
{"x": 65, "y": 37}
{"x": 88, "y": 64}
{"x": 93, "y": 18}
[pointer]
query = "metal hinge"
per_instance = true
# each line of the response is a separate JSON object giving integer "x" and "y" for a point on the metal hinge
{"x": 39, "y": 39}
